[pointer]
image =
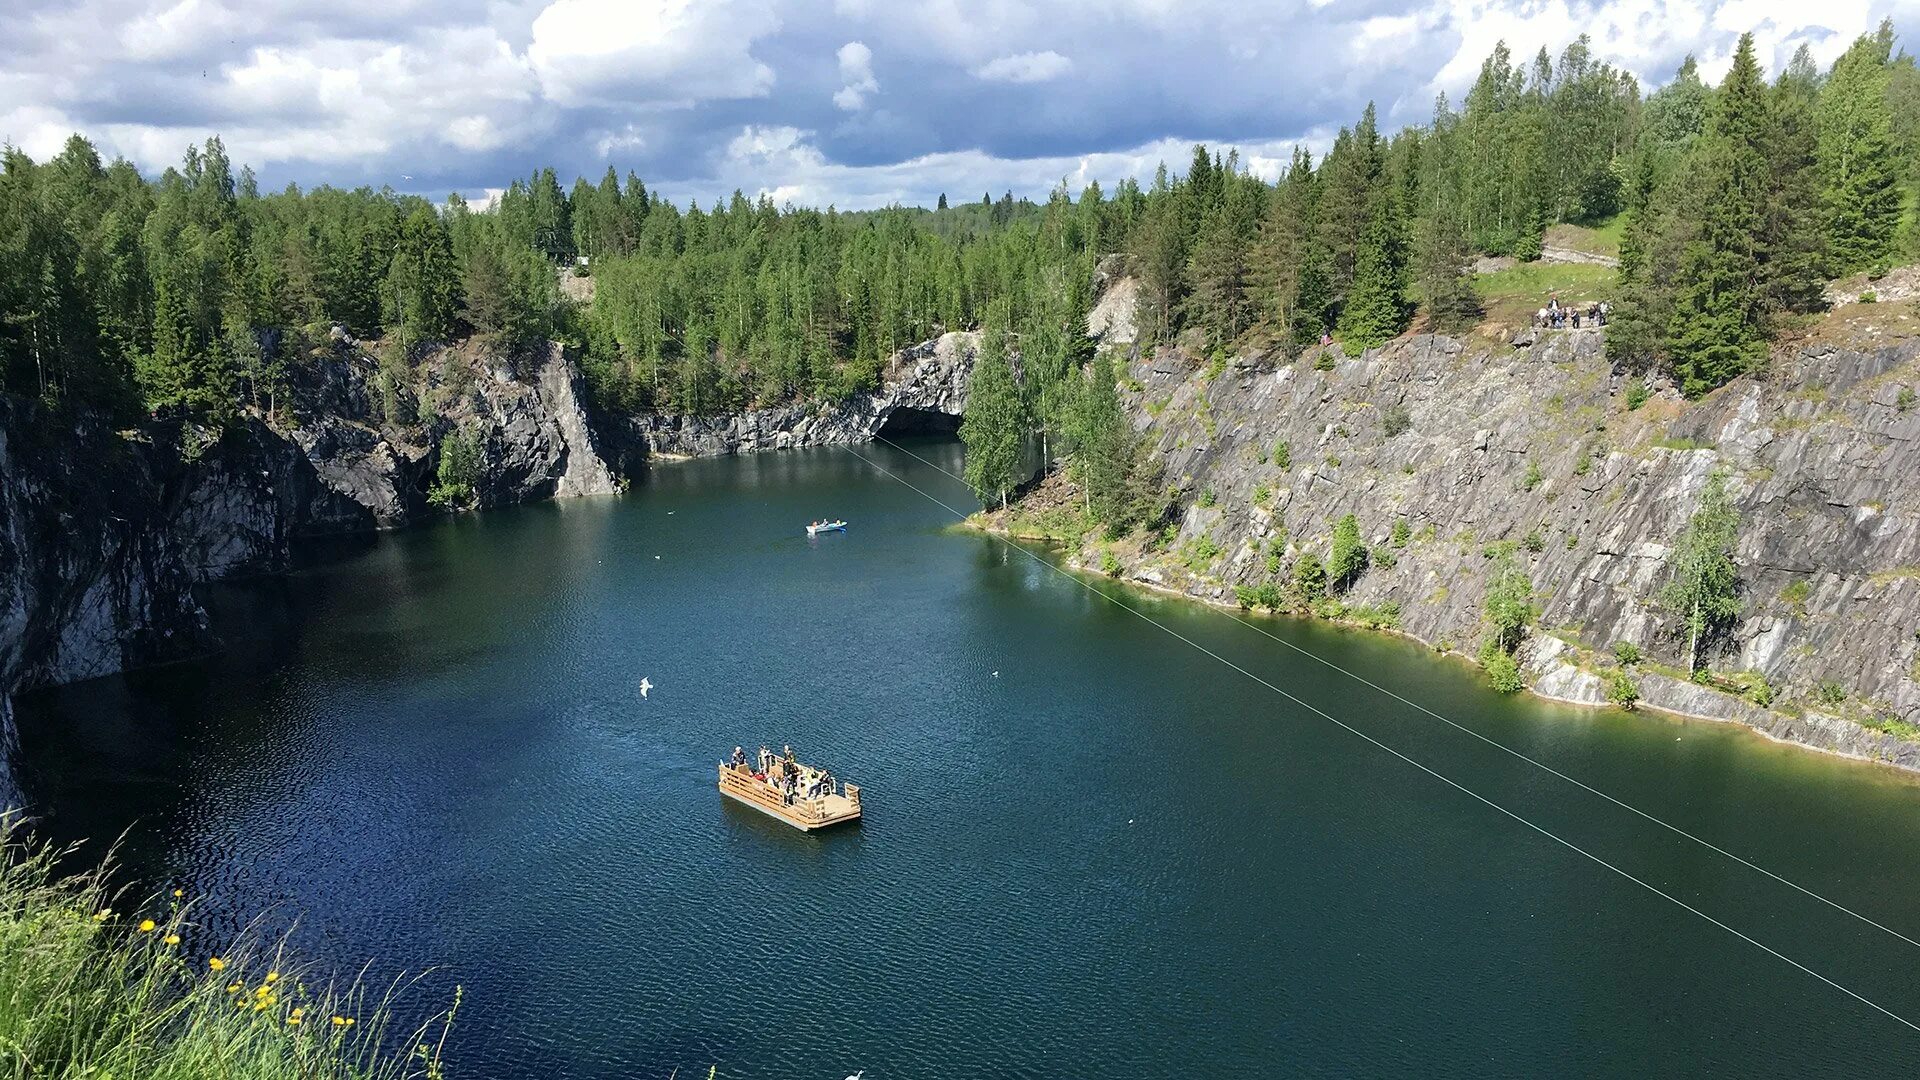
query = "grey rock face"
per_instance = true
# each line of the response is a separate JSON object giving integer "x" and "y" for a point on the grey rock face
{"x": 87, "y": 585}
{"x": 1534, "y": 448}
{"x": 102, "y": 537}
{"x": 930, "y": 378}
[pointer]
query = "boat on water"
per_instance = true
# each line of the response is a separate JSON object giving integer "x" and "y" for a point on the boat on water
{"x": 818, "y": 527}
{"x": 806, "y": 797}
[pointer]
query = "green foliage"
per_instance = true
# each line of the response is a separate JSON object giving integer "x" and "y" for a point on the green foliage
{"x": 1795, "y": 595}
{"x": 1377, "y": 617}
{"x": 457, "y": 481}
{"x": 1858, "y": 166}
{"x": 1324, "y": 362}
{"x": 1261, "y": 494}
{"x": 92, "y": 990}
{"x": 1509, "y": 603}
{"x": 1637, "y": 395}
{"x": 1207, "y": 498}
{"x": 1583, "y": 464}
{"x": 1282, "y": 455}
{"x": 1534, "y": 542}
{"x": 1621, "y": 689}
{"x": 1628, "y": 652}
{"x": 1202, "y": 553}
{"x": 1532, "y": 478}
{"x": 995, "y": 425}
{"x": 1830, "y": 693}
{"x": 1904, "y": 400}
{"x": 1109, "y": 563}
{"x": 1347, "y": 558}
{"x": 1402, "y": 531}
{"x": 1309, "y": 577}
{"x": 1503, "y": 671}
{"x": 1395, "y": 420}
{"x": 1704, "y": 585}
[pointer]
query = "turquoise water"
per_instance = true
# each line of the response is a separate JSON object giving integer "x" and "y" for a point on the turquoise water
{"x": 1115, "y": 857}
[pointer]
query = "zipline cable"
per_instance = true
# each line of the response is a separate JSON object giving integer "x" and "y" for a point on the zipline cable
{"x": 1535, "y": 762}
{"x": 1443, "y": 778}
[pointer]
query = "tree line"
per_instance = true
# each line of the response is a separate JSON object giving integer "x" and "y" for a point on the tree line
{"x": 195, "y": 291}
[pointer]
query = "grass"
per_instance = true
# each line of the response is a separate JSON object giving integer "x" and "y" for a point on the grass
{"x": 97, "y": 984}
{"x": 1601, "y": 238}
{"x": 1511, "y": 296}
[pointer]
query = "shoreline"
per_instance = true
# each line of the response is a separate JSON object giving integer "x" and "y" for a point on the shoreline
{"x": 1071, "y": 563}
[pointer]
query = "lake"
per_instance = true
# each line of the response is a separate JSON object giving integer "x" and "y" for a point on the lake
{"x": 1089, "y": 850}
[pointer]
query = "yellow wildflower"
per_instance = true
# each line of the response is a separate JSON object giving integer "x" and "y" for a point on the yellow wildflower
{"x": 263, "y": 991}
{"x": 233, "y": 988}
{"x": 273, "y": 976}
{"x": 178, "y": 893}
{"x": 259, "y": 1005}
{"x": 171, "y": 939}
{"x": 147, "y": 926}
{"x": 101, "y": 915}
{"x": 216, "y": 963}
{"x": 295, "y": 1020}
{"x": 339, "y": 1021}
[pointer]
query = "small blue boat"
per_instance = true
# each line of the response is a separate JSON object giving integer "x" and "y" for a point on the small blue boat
{"x": 818, "y": 527}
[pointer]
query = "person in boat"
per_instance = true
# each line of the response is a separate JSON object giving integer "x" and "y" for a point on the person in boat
{"x": 739, "y": 757}
{"x": 787, "y": 752}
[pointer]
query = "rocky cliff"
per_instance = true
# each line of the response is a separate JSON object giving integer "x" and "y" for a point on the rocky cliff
{"x": 924, "y": 386}
{"x": 1536, "y": 447}
{"x": 103, "y": 534}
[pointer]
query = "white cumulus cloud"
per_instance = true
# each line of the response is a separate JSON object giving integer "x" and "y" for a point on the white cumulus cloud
{"x": 605, "y": 52}
{"x": 1028, "y": 67}
{"x": 856, "y": 75}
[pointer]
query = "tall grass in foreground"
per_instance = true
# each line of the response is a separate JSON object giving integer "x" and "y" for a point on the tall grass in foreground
{"x": 92, "y": 985}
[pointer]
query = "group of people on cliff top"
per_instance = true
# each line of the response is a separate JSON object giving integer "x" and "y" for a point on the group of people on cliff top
{"x": 1558, "y": 316}
{"x": 789, "y": 777}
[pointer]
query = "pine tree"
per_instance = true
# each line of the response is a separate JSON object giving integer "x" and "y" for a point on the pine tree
{"x": 1717, "y": 329}
{"x": 1860, "y": 190}
{"x": 995, "y": 423}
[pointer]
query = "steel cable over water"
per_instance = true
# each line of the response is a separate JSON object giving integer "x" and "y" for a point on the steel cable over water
{"x": 1535, "y": 762}
{"x": 1443, "y": 778}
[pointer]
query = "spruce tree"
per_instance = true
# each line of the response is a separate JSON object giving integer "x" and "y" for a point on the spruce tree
{"x": 1860, "y": 189}
{"x": 1376, "y": 307}
{"x": 995, "y": 423}
{"x": 1717, "y": 329}
{"x": 1446, "y": 273}
{"x": 1792, "y": 240}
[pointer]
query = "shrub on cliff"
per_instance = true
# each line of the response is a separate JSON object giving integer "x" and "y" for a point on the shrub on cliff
{"x": 1347, "y": 559}
{"x": 89, "y": 989}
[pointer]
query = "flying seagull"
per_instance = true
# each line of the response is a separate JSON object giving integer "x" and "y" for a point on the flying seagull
{"x": 645, "y": 685}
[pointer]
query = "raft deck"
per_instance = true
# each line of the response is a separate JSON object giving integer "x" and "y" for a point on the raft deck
{"x": 739, "y": 783}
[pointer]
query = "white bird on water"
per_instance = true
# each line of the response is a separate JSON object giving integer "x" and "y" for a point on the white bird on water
{"x": 858, "y": 1075}
{"x": 645, "y": 685}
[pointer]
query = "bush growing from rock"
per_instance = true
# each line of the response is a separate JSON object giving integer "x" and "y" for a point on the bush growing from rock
{"x": 1503, "y": 671}
{"x": 1622, "y": 690}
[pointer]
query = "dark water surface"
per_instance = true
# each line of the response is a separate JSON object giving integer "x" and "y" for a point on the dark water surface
{"x": 1117, "y": 858}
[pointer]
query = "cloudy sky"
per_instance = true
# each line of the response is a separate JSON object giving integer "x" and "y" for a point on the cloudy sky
{"x": 853, "y": 102}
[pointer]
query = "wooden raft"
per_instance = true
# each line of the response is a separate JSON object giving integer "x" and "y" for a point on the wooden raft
{"x": 739, "y": 783}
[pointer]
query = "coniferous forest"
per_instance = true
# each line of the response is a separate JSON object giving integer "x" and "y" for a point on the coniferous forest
{"x": 195, "y": 293}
